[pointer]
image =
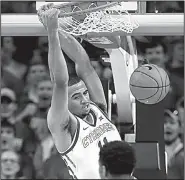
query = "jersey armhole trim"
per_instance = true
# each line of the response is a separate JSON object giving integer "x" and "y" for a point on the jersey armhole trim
{"x": 74, "y": 141}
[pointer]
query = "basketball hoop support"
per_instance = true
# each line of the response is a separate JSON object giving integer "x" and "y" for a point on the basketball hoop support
{"x": 149, "y": 24}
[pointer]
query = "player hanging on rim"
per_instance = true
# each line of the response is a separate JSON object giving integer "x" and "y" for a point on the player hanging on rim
{"x": 78, "y": 126}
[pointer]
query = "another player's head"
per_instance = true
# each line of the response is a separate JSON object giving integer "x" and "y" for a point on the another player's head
{"x": 78, "y": 97}
{"x": 117, "y": 159}
{"x": 172, "y": 126}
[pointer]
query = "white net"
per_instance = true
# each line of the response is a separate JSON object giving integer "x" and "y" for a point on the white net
{"x": 105, "y": 20}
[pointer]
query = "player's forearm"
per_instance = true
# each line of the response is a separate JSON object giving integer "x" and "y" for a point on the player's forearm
{"x": 77, "y": 54}
{"x": 72, "y": 48}
{"x": 56, "y": 59}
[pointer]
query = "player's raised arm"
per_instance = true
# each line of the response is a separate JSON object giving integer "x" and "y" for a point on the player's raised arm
{"x": 84, "y": 69}
{"x": 58, "y": 115}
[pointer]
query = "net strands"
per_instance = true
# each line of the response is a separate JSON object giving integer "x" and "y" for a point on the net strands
{"x": 107, "y": 18}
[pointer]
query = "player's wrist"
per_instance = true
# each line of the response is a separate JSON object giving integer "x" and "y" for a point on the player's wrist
{"x": 53, "y": 31}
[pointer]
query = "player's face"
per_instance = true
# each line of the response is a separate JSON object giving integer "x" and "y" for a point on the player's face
{"x": 155, "y": 55}
{"x": 9, "y": 163}
{"x": 45, "y": 90}
{"x": 78, "y": 99}
{"x": 171, "y": 130}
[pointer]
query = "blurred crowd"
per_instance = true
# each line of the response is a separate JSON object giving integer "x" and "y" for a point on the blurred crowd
{"x": 27, "y": 147}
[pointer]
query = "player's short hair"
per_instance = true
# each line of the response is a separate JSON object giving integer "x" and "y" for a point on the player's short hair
{"x": 73, "y": 80}
{"x": 118, "y": 157}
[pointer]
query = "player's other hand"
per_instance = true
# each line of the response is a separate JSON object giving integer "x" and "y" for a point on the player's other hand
{"x": 50, "y": 18}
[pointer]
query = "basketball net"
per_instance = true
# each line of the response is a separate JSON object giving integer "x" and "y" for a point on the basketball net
{"x": 84, "y": 18}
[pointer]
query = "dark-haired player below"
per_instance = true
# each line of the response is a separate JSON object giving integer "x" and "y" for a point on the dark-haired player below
{"x": 117, "y": 160}
{"x": 77, "y": 123}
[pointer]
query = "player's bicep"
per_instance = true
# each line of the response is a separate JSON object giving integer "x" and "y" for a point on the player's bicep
{"x": 60, "y": 134}
{"x": 59, "y": 104}
{"x": 58, "y": 117}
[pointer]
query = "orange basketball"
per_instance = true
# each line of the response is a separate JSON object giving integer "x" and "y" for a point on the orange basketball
{"x": 149, "y": 84}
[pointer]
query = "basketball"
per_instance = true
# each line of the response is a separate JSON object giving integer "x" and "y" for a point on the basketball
{"x": 149, "y": 84}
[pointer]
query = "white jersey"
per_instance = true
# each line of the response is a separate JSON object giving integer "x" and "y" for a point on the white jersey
{"x": 83, "y": 154}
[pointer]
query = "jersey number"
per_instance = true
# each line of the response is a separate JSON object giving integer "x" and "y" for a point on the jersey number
{"x": 100, "y": 144}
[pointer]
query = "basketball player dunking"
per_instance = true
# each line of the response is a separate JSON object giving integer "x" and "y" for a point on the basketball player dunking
{"x": 77, "y": 123}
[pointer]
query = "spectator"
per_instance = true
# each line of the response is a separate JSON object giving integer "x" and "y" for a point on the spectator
{"x": 11, "y": 70}
{"x": 173, "y": 145}
{"x": 35, "y": 73}
{"x": 8, "y": 113}
{"x": 36, "y": 58}
{"x": 42, "y": 47}
{"x": 180, "y": 108}
{"x": 10, "y": 165}
{"x": 8, "y": 139}
{"x": 55, "y": 167}
{"x": 8, "y": 104}
{"x": 43, "y": 44}
{"x": 175, "y": 67}
{"x": 156, "y": 53}
{"x": 44, "y": 93}
{"x": 10, "y": 142}
{"x": 45, "y": 143}
{"x": 12, "y": 66}
{"x": 27, "y": 152}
